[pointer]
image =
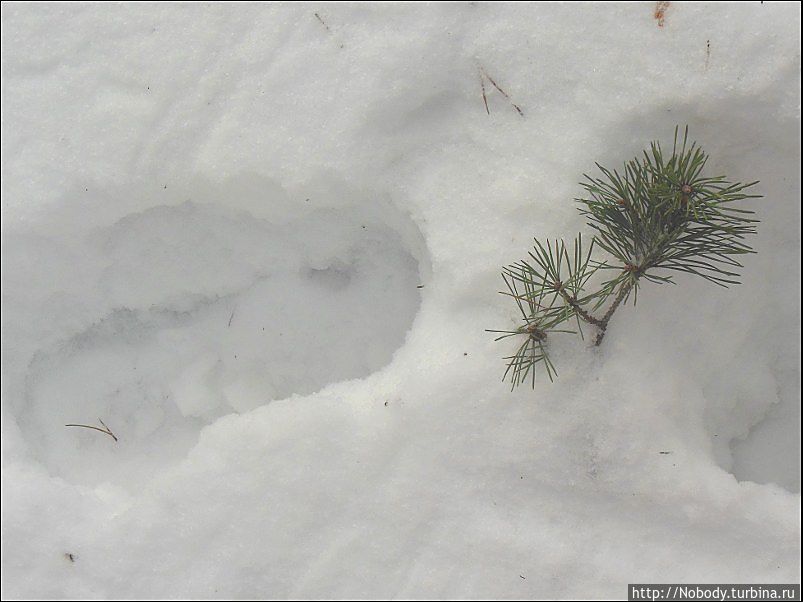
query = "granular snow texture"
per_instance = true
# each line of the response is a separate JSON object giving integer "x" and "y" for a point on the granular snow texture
{"x": 262, "y": 243}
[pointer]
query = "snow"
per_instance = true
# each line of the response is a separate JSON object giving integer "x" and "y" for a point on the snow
{"x": 263, "y": 245}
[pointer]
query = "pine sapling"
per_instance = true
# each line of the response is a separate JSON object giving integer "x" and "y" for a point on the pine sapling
{"x": 659, "y": 214}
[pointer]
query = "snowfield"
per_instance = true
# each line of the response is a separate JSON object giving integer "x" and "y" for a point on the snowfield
{"x": 262, "y": 243}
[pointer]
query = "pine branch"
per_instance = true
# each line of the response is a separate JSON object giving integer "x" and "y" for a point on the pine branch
{"x": 658, "y": 215}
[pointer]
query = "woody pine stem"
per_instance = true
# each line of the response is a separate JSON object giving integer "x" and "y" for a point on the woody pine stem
{"x": 603, "y": 324}
{"x": 572, "y": 302}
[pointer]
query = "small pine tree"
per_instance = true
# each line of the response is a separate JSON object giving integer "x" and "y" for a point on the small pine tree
{"x": 658, "y": 215}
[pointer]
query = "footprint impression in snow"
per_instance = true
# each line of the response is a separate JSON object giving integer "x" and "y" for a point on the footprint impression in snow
{"x": 161, "y": 315}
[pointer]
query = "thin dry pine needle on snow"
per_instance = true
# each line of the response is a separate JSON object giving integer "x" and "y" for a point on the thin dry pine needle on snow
{"x": 105, "y": 428}
{"x": 483, "y": 76}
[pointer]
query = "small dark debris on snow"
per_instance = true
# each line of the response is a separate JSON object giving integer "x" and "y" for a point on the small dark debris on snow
{"x": 665, "y": 453}
{"x": 660, "y": 12}
{"x": 317, "y": 16}
{"x": 69, "y": 556}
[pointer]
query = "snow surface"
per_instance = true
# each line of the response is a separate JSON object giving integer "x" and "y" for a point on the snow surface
{"x": 262, "y": 243}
